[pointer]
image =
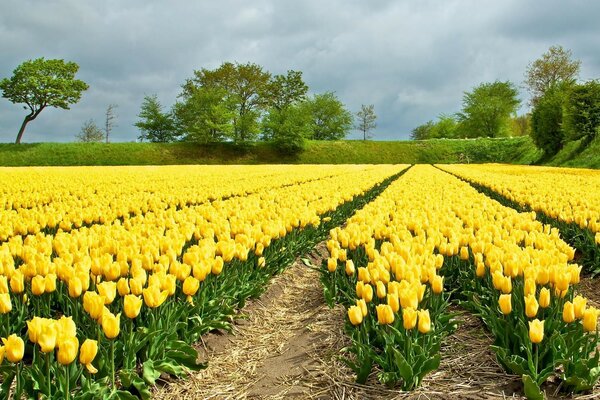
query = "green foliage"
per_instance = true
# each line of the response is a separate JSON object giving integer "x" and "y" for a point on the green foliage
{"x": 583, "y": 111}
{"x": 286, "y": 90}
{"x": 154, "y": 124}
{"x": 330, "y": 119}
{"x": 556, "y": 66}
{"x": 90, "y": 132}
{"x": 487, "y": 109}
{"x": 288, "y": 128}
{"x": 520, "y": 125}
{"x": 445, "y": 127}
{"x": 547, "y": 120}
{"x": 422, "y": 132}
{"x": 205, "y": 115}
{"x": 42, "y": 83}
{"x": 366, "y": 120}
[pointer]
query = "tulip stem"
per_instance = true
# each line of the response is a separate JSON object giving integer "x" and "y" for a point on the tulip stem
{"x": 67, "y": 383}
{"x": 48, "y": 375}
{"x": 112, "y": 362}
{"x": 18, "y": 388}
{"x": 537, "y": 349}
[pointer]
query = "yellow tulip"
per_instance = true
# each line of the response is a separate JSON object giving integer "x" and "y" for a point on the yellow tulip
{"x": 381, "y": 292}
{"x": 385, "y": 315}
{"x": 108, "y": 290}
{"x": 568, "y": 312}
{"x": 579, "y": 304}
{"x": 5, "y": 303}
{"x": 169, "y": 283}
{"x": 506, "y": 285}
{"x": 409, "y": 318}
{"x": 154, "y": 297}
{"x": 261, "y": 262}
{"x": 350, "y": 267}
{"x": 65, "y": 327}
{"x": 409, "y": 298}
{"x": 480, "y": 270}
{"x": 394, "y": 302}
{"x": 364, "y": 275}
{"x": 531, "y": 306}
{"x": 217, "y": 265}
{"x": 67, "y": 350}
{"x": 355, "y": 315}
{"x": 14, "y": 348}
{"x": 47, "y": 337}
{"x": 367, "y": 293}
{"x": 111, "y": 324}
{"x": 17, "y": 282}
{"x": 536, "y": 331}
{"x": 590, "y": 319}
{"x": 437, "y": 284}
{"x": 190, "y": 286}
{"x": 543, "y": 276}
{"x": 75, "y": 287}
{"x": 331, "y": 264}
{"x": 38, "y": 285}
{"x": 123, "y": 287}
{"x": 529, "y": 287}
{"x": 424, "y": 321}
{"x": 562, "y": 280}
{"x": 136, "y": 286}
{"x": 132, "y": 305}
{"x": 544, "y": 300}
{"x": 93, "y": 304}
{"x": 363, "y": 306}
{"x": 2, "y": 350}
{"x": 464, "y": 253}
{"x": 359, "y": 288}
{"x": 49, "y": 283}
{"x": 87, "y": 353}
{"x": 505, "y": 303}
{"x": 34, "y": 328}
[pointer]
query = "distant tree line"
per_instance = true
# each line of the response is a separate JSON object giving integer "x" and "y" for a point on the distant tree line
{"x": 563, "y": 109}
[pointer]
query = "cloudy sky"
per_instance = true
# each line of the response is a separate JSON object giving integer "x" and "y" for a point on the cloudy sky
{"x": 412, "y": 59}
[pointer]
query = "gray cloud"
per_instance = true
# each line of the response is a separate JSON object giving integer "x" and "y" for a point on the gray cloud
{"x": 412, "y": 59}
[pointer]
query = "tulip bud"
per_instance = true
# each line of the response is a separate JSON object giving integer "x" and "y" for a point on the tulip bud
{"x": 67, "y": 350}
{"x": 49, "y": 283}
{"x": 87, "y": 353}
{"x": 123, "y": 287}
{"x": 111, "y": 324}
{"x": 5, "y": 303}
{"x": 505, "y": 303}
{"x": 562, "y": 280}
{"x": 17, "y": 282}
{"x": 568, "y": 312}
{"x": 359, "y": 288}
{"x": 350, "y": 267}
{"x": 136, "y": 286}
{"x": 261, "y": 262}
{"x": 381, "y": 292}
{"x": 590, "y": 319}
{"x": 14, "y": 348}
{"x": 536, "y": 331}
{"x": 544, "y": 298}
{"x": 424, "y": 321}
{"x": 331, "y": 264}
{"x": 437, "y": 284}
{"x": 529, "y": 287}
{"x": 355, "y": 315}
{"x": 393, "y": 302}
{"x": 531, "y": 306}
{"x": 132, "y": 305}
{"x": 409, "y": 318}
{"x": 579, "y": 304}
{"x": 38, "y": 285}
{"x": 75, "y": 287}
{"x": 363, "y": 306}
{"x": 506, "y": 285}
{"x": 367, "y": 293}
{"x": 190, "y": 286}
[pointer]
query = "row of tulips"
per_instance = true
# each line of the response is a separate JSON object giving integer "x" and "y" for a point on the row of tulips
{"x": 138, "y": 293}
{"x": 566, "y": 198}
{"x": 514, "y": 271}
{"x": 34, "y": 200}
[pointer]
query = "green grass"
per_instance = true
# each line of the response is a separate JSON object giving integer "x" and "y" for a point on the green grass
{"x": 573, "y": 155}
{"x": 515, "y": 150}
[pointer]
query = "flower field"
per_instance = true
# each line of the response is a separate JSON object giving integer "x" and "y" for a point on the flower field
{"x": 110, "y": 275}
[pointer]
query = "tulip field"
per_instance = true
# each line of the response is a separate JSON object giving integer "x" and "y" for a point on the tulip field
{"x": 110, "y": 275}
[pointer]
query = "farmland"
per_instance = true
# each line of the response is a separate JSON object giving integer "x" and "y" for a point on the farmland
{"x": 111, "y": 276}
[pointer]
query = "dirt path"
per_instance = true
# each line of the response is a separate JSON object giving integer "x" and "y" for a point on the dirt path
{"x": 287, "y": 344}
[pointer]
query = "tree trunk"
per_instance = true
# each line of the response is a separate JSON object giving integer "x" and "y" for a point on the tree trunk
{"x": 22, "y": 130}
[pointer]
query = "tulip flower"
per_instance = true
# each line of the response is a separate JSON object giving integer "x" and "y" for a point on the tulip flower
{"x": 424, "y": 321}
{"x": 529, "y": 287}
{"x": 3, "y": 284}
{"x": 75, "y": 287}
{"x": 536, "y": 331}
{"x": 5, "y": 303}
{"x": 355, "y": 315}
{"x": 14, "y": 348}
{"x": 38, "y": 285}
{"x": 568, "y": 312}
{"x": 385, "y": 315}
{"x": 350, "y": 267}
{"x": 437, "y": 284}
{"x": 154, "y": 297}
{"x": 123, "y": 287}
{"x": 87, "y": 353}
{"x": 261, "y": 262}
{"x": 136, "y": 286}
{"x": 331, "y": 264}
{"x": 67, "y": 350}
{"x": 359, "y": 288}
{"x": 169, "y": 283}
{"x": 544, "y": 300}
{"x": 65, "y": 327}
{"x": 409, "y": 298}
{"x": 190, "y": 286}
{"x": 505, "y": 303}
{"x": 108, "y": 290}
{"x": 47, "y": 337}
{"x": 590, "y": 319}
{"x": 217, "y": 264}
{"x": 381, "y": 292}
{"x": 49, "y": 283}
{"x": 2, "y": 350}
{"x": 531, "y": 306}
{"x": 363, "y": 306}
{"x": 367, "y": 293}
{"x": 393, "y": 302}
{"x": 579, "y": 303}
{"x": 111, "y": 325}
{"x": 17, "y": 282}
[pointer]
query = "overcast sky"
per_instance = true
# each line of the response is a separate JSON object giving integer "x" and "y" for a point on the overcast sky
{"x": 412, "y": 59}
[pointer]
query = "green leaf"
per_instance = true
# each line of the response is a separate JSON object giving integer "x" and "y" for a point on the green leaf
{"x": 430, "y": 365}
{"x": 532, "y": 390}
{"x": 149, "y": 372}
{"x": 406, "y": 371}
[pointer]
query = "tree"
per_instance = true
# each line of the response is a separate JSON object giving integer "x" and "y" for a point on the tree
{"x": 245, "y": 86}
{"x": 422, "y": 132}
{"x": 42, "y": 83}
{"x": 154, "y": 124}
{"x": 547, "y": 120}
{"x": 521, "y": 125}
{"x": 109, "y": 121}
{"x": 366, "y": 120}
{"x": 288, "y": 128}
{"x": 554, "y": 67}
{"x": 582, "y": 112}
{"x": 205, "y": 115}
{"x": 90, "y": 132}
{"x": 330, "y": 120}
{"x": 487, "y": 109}
{"x": 286, "y": 90}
